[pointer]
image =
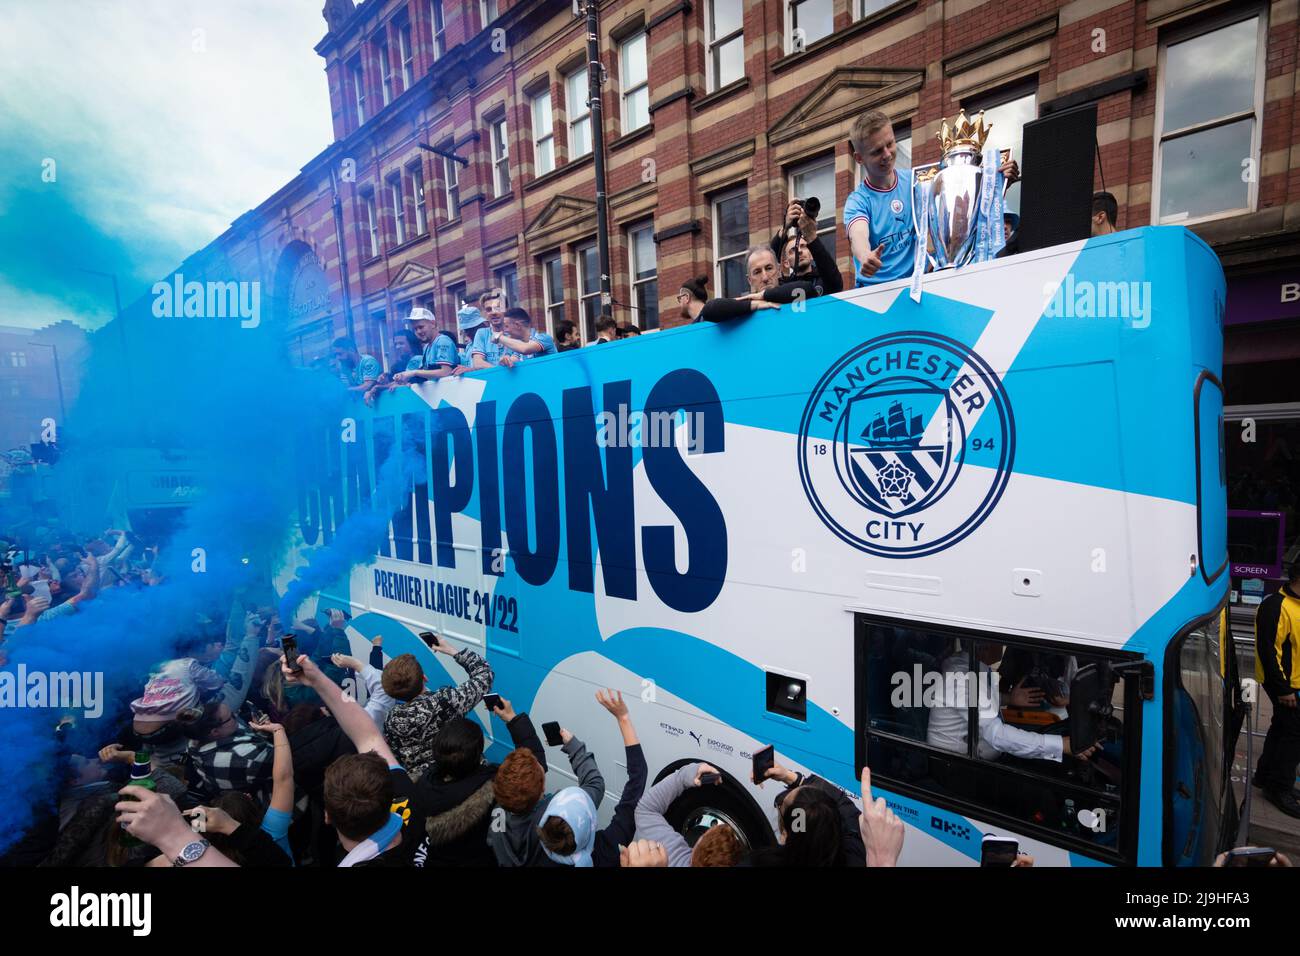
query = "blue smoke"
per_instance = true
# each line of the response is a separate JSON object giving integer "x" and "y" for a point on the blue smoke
{"x": 224, "y": 402}
{"x": 357, "y": 538}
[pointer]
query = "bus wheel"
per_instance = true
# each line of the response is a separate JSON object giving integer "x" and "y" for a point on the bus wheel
{"x": 700, "y": 808}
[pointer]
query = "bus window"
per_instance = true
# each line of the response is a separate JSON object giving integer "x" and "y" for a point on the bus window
{"x": 980, "y": 724}
{"x": 1201, "y": 809}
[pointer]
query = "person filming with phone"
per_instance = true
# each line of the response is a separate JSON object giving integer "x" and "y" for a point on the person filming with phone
{"x": 414, "y": 722}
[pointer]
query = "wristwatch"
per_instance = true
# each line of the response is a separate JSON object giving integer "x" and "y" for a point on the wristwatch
{"x": 191, "y": 852}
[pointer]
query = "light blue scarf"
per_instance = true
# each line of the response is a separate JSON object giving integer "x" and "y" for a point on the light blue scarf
{"x": 375, "y": 844}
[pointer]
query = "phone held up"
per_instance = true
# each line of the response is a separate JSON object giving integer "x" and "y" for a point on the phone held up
{"x": 998, "y": 851}
{"x": 764, "y": 760}
{"x": 552, "y": 731}
{"x": 1250, "y": 856}
{"x": 290, "y": 645}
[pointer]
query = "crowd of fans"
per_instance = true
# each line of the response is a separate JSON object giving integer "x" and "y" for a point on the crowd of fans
{"x": 251, "y": 748}
{"x": 57, "y": 575}
{"x": 261, "y": 744}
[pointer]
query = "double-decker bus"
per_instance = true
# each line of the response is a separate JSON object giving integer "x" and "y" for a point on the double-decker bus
{"x": 809, "y": 527}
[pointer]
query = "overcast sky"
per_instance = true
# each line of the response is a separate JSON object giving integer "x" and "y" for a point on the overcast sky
{"x": 165, "y": 121}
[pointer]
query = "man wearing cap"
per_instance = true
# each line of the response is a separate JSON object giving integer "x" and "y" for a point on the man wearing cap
{"x": 439, "y": 357}
{"x": 470, "y": 322}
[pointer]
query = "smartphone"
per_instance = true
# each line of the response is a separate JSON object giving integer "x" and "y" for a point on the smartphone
{"x": 998, "y": 851}
{"x": 707, "y": 778}
{"x": 41, "y": 588}
{"x": 764, "y": 760}
{"x": 429, "y": 638}
{"x": 290, "y": 645}
{"x": 1250, "y": 856}
{"x": 493, "y": 701}
{"x": 552, "y": 731}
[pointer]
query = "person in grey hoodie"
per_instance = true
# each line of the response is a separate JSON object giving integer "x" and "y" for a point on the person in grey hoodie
{"x": 519, "y": 788}
{"x": 651, "y": 823}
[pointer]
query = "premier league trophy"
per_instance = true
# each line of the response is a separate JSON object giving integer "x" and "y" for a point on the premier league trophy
{"x": 958, "y": 203}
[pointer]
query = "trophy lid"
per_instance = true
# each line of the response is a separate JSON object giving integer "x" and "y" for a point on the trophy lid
{"x": 964, "y": 133}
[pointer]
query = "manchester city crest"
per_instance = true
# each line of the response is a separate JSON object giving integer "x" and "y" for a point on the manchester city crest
{"x": 906, "y": 444}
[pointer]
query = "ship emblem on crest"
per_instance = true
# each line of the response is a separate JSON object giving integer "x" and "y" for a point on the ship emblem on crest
{"x": 898, "y": 447}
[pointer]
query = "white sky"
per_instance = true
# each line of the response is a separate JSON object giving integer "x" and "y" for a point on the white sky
{"x": 168, "y": 120}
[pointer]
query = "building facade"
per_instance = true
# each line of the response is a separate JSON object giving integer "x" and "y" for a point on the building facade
{"x": 40, "y": 377}
{"x": 463, "y": 156}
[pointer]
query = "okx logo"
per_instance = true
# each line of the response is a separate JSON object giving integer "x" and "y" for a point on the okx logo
{"x": 948, "y": 827}
{"x": 906, "y": 444}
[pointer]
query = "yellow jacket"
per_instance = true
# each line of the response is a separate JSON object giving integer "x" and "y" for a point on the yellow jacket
{"x": 1277, "y": 642}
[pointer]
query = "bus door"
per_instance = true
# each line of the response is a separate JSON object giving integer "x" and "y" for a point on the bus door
{"x": 1204, "y": 712}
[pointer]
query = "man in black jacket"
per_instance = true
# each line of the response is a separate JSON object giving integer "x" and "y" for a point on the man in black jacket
{"x": 458, "y": 792}
{"x": 810, "y": 272}
{"x": 801, "y": 253}
{"x": 766, "y": 290}
{"x": 1277, "y": 667}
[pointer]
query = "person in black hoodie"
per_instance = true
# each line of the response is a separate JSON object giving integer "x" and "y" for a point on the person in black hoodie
{"x": 819, "y": 825}
{"x": 458, "y": 792}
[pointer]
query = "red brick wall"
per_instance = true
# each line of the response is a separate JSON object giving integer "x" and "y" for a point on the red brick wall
{"x": 448, "y": 107}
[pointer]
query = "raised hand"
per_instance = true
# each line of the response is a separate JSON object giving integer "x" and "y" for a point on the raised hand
{"x": 882, "y": 831}
{"x": 871, "y": 264}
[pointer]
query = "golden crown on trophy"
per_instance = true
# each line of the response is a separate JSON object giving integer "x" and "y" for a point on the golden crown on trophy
{"x": 964, "y": 133}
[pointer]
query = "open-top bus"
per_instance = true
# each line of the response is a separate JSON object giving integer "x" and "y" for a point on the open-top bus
{"x": 777, "y": 530}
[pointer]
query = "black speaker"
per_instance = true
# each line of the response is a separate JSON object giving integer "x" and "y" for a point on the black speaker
{"x": 1056, "y": 189}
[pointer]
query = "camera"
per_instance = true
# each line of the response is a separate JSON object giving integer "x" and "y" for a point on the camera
{"x": 811, "y": 207}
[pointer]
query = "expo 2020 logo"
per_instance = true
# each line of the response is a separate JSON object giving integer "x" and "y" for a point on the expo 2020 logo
{"x": 906, "y": 444}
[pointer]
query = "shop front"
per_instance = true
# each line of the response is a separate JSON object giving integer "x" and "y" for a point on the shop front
{"x": 1261, "y": 367}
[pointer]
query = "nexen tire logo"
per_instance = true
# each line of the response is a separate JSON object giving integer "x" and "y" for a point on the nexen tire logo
{"x": 906, "y": 444}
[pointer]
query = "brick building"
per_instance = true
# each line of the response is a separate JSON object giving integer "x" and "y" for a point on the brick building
{"x": 462, "y": 154}
{"x": 717, "y": 111}
{"x": 40, "y": 378}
